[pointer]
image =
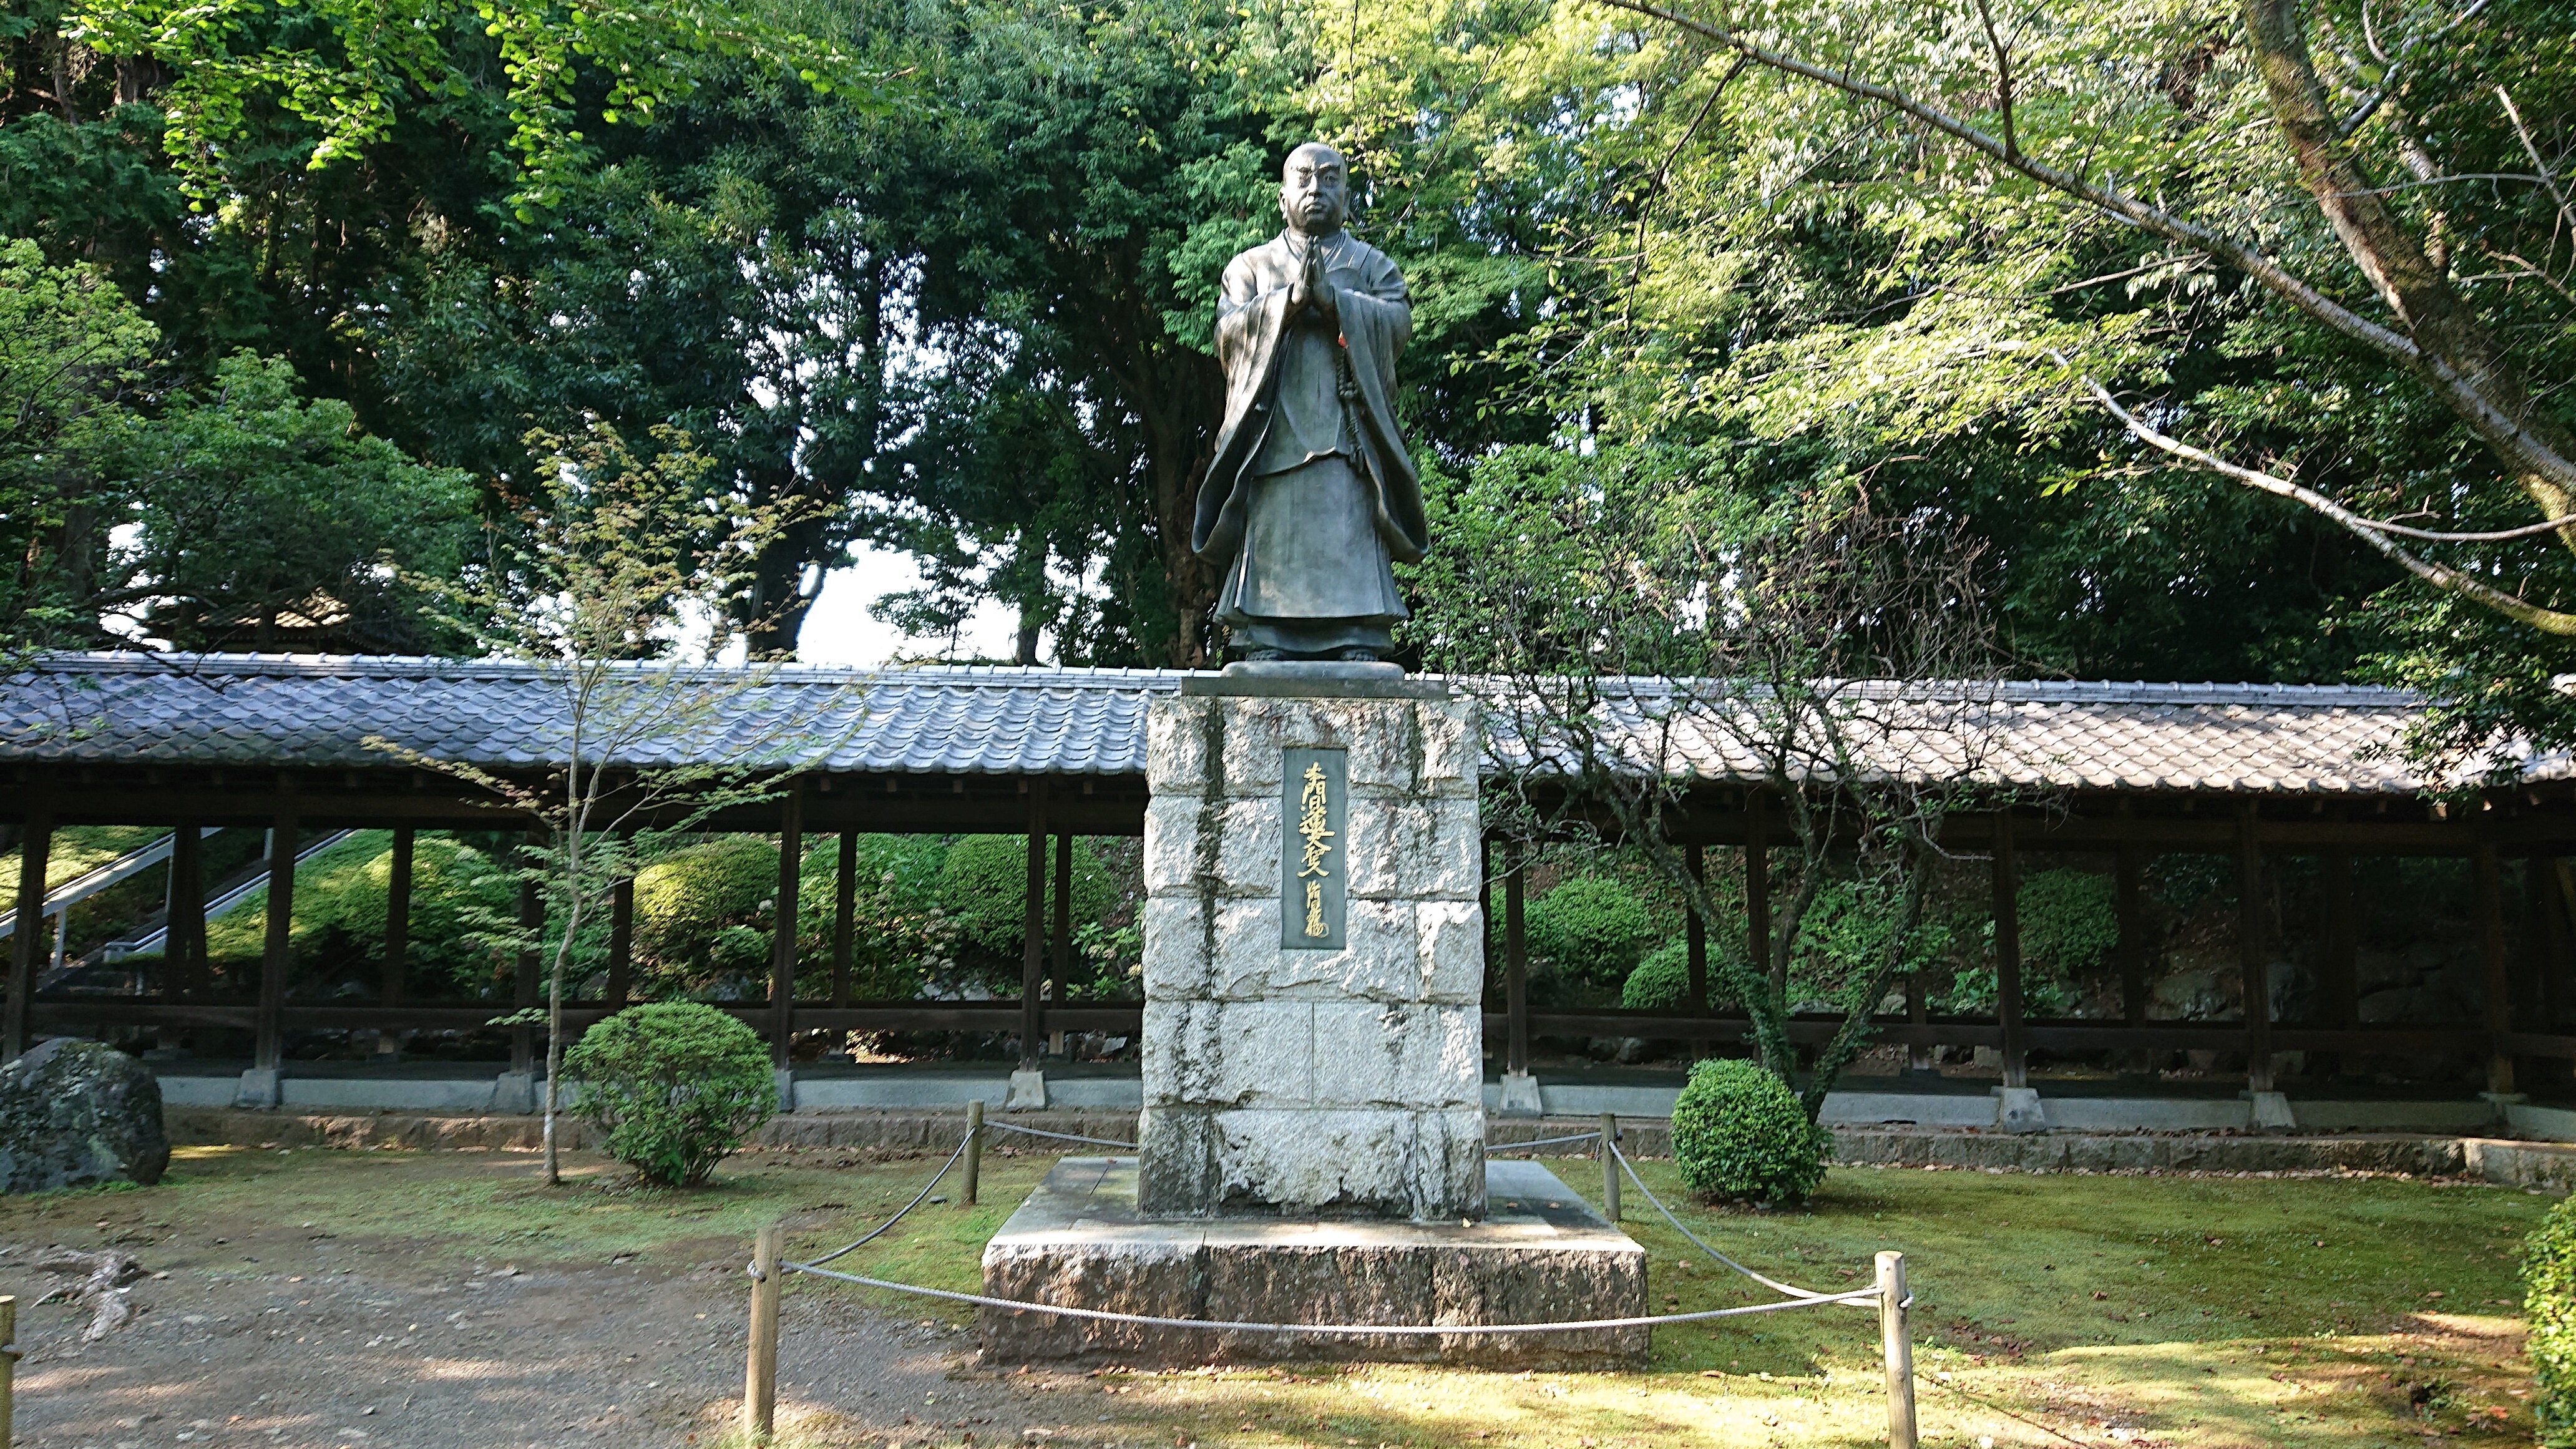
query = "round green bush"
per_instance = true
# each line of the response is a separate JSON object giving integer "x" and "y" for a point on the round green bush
{"x": 676, "y": 1085}
{"x": 1591, "y": 928}
{"x": 1661, "y": 981}
{"x": 2549, "y": 1301}
{"x": 1739, "y": 1133}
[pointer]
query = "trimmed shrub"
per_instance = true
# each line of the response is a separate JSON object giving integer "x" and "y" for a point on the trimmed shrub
{"x": 685, "y": 901}
{"x": 2549, "y": 1301}
{"x": 677, "y": 1086}
{"x": 1661, "y": 981}
{"x": 1592, "y": 929}
{"x": 1739, "y": 1133}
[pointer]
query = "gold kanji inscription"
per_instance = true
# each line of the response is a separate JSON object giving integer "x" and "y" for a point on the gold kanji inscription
{"x": 1313, "y": 811}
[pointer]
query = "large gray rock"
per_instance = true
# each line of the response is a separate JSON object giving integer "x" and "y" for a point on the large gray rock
{"x": 75, "y": 1112}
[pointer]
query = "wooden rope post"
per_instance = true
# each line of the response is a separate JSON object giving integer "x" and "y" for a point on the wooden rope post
{"x": 1610, "y": 1166}
{"x": 974, "y": 1148}
{"x": 1896, "y": 1340}
{"x": 8, "y": 1369}
{"x": 760, "y": 1380}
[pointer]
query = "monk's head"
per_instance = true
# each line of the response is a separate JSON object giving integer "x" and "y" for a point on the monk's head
{"x": 1315, "y": 190}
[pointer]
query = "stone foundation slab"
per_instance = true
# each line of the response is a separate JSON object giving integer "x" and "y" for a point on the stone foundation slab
{"x": 1541, "y": 1254}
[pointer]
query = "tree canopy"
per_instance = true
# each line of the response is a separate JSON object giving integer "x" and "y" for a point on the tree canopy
{"x": 2232, "y": 334}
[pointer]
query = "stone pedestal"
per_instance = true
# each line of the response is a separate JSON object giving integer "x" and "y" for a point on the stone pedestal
{"x": 1541, "y": 1255}
{"x": 1314, "y": 973}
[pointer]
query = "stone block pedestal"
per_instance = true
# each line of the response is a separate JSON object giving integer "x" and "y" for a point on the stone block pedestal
{"x": 1314, "y": 966}
{"x": 1539, "y": 1255}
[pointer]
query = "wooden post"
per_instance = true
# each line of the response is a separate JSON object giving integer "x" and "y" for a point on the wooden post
{"x": 760, "y": 1379}
{"x": 183, "y": 925}
{"x": 974, "y": 1148}
{"x": 2127, "y": 882}
{"x": 2339, "y": 973}
{"x": 532, "y": 919}
{"x": 9, "y": 1356}
{"x": 1060, "y": 960}
{"x": 398, "y": 917}
{"x": 27, "y": 941}
{"x": 845, "y": 912}
{"x": 277, "y": 956}
{"x": 782, "y": 933}
{"x": 1515, "y": 965}
{"x": 2127, "y": 885}
{"x": 1757, "y": 890}
{"x": 1695, "y": 937}
{"x": 2008, "y": 952}
{"x": 2487, "y": 881}
{"x": 621, "y": 941}
{"x": 2252, "y": 961}
{"x": 1610, "y": 1166}
{"x": 1033, "y": 935}
{"x": 1896, "y": 1341}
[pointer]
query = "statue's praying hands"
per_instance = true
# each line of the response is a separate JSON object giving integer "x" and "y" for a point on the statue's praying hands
{"x": 1312, "y": 292}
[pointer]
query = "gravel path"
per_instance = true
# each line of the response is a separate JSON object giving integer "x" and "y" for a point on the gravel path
{"x": 296, "y": 1351}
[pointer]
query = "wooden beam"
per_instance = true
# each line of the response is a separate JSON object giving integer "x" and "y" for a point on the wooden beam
{"x": 2486, "y": 874}
{"x": 1033, "y": 934}
{"x": 277, "y": 956}
{"x": 532, "y": 922}
{"x": 1515, "y": 964}
{"x": 2253, "y": 962}
{"x": 2007, "y": 909}
{"x": 845, "y": 909}
{"x": 27, "y": 938}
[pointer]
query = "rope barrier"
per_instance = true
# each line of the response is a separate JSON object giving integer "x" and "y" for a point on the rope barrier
{"x": 1503, "y": 1147}
{"x": 1060, "y": 1136}
{"x": 1888, "y": 1295}
{"x": 1415, "y": 1330}
{"x": 881, "y": 1228}
{"x": 1773, "y": 1284}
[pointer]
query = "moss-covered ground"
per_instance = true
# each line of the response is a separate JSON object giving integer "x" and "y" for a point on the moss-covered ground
{"x": 2054, "y": 1310}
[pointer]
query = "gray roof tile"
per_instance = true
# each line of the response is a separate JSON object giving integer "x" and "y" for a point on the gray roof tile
{"x": 323, "y": 711}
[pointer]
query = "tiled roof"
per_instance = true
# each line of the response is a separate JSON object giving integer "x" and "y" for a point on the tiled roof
{"x": 256, "y": 710}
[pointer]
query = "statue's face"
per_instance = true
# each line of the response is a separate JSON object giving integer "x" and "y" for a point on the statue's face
{"x": 1315, "y": 190}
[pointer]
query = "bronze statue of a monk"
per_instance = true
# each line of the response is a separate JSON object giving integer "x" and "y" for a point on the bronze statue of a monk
{"x": 1313, "y": 495}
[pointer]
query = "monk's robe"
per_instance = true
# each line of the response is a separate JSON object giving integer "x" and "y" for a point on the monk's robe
{"x": 1313, "y": 494}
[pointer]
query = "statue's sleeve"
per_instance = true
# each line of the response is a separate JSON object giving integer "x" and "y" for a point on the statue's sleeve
{"x": 1382, "y": 306}
{"x": 1239, "y": 311}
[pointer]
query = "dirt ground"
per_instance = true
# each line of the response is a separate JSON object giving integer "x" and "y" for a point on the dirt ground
{"x": 270, "y": 1329}
{"x": 369, "y": 1300}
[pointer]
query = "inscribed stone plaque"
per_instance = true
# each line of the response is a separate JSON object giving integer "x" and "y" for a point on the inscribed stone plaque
{"x": 1313, "y": 790}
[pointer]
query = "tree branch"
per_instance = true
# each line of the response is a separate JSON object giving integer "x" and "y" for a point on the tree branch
{"x": 2370, "y": 530}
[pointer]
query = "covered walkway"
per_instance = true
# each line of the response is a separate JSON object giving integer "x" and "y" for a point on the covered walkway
{"x": 298, "y": 746}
